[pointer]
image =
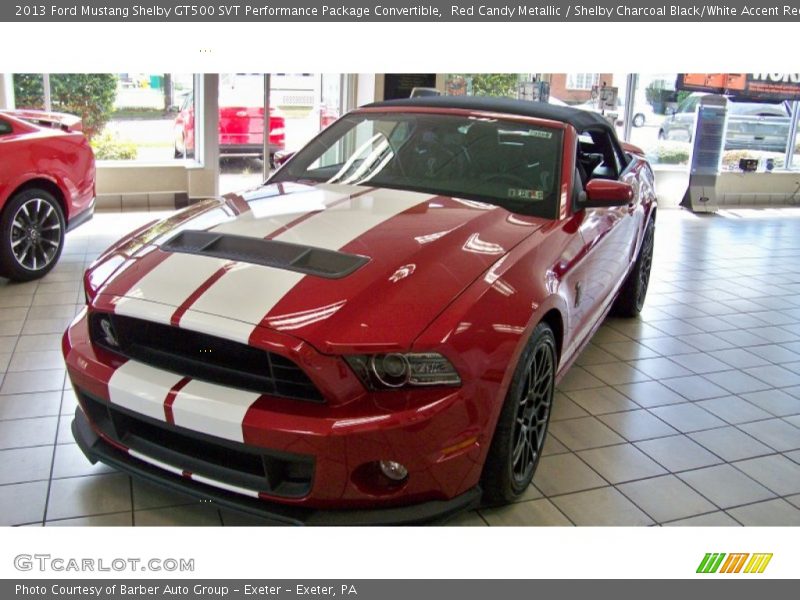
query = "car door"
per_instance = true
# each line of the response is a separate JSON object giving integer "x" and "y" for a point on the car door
{"x": 609, "y": 234}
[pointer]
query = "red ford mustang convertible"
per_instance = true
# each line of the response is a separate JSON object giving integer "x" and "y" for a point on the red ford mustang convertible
{"x": 374, "y": 335}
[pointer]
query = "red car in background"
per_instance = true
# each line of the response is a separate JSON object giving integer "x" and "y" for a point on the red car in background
{"x": 47, "y": 187}
{"x": 375, "y": 334}
{"x": 241, "y": 127}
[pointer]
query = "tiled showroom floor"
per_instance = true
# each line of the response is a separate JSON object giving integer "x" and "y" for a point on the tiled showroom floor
{"x": 688, "y": 416}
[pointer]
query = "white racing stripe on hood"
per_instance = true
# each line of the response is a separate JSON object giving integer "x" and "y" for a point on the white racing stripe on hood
{"x": 248, "y": 292}
{"x": 212, "y": 409}
{"x": 342, "y": 224}
{"x": 266, "y": 217}
{"x": 141, "y": 388}
{"x": 156, "y": 295}
{"x": 242, "y": 294}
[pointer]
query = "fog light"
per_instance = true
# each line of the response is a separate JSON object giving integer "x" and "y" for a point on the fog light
{"x": 393, "y": 470}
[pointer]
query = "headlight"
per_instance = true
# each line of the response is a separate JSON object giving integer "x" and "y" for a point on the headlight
{"x": 396, "y": 370}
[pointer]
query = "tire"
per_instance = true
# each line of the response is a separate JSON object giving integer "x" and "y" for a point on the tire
{"x": 638, "y": 120}
{"x": 32, "y": 229}
{"x": 631, "y": 297}
{"x": 517, "y": 448}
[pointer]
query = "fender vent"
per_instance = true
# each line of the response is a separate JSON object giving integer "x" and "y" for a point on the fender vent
{"x": 269, "y": 253}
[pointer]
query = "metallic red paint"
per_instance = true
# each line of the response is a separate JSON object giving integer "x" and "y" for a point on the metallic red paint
{"x": 476, "y": 305}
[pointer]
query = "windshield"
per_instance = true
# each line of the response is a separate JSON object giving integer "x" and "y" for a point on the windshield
{"x": 513, "y": 165}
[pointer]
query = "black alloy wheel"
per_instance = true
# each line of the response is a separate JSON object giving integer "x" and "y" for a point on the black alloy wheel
{"x": 644, "y": 266}
{"x": 533, "y": 413}
{"x": 522, "y": 425}
{"x": 630, "y": 301}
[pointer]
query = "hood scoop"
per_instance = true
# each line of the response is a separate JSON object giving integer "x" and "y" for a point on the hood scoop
{"x": 269, "y": 253}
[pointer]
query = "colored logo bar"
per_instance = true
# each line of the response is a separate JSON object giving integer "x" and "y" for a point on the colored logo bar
{"x": 719, "y": 562}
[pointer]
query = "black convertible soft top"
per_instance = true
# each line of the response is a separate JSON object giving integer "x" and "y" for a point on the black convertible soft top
{"x": 579, "y": 119}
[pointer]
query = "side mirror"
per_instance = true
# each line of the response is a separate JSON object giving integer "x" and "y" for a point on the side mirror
{"x": 280, "y": 157}
{"x": 603, "y": 193}
{"x": 670, "y": 112}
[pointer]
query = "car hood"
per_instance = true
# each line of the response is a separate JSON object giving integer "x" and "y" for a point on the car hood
{"x": 374, "y": 266}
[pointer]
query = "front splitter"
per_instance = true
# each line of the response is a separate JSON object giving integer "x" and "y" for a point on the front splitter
{"x": 96, "y": 449}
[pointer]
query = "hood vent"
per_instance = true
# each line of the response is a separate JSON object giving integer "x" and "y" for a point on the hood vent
{"x": 269, "y": 253}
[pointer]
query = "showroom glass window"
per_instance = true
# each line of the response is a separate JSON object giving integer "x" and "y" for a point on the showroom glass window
{"x": 758, "y": 130}
{"x": 128, "y": 116}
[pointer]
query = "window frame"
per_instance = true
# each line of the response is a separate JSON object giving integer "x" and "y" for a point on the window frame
{"x": 572, "y": 81}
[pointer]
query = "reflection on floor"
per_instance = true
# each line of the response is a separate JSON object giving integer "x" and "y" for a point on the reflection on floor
{"x": 687, "y": 416}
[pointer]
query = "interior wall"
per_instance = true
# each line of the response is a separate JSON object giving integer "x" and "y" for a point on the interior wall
{"x": 6, "y": 90}
{"x": 204, "y": 181}
{"x": 734, "y": 189}
{"x": 779, "y": 188}
{"x": 369, "y": 86}
{"x": 671, "y": 184}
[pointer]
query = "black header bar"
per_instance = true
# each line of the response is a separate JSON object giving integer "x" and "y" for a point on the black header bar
{"x": 188, "y": 11}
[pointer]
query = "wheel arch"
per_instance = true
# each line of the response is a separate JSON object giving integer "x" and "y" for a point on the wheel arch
{"x": 555, "y": 321}
{"x": 48, "y": 186}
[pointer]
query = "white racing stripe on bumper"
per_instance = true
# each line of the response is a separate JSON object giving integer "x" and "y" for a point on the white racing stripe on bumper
{"x": 340, "y": 225}
{"x": 156, "y": 295}
{"x": 141, "y": 388}
{"x": 193, "y": 476}
{"x": 225, "y": 486}
{"x": 212, "y": 409}
{"x": 154, "y": 462}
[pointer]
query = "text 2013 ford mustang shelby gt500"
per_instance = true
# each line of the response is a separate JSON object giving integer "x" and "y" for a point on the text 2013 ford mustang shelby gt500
{"x": 373, "y": 335}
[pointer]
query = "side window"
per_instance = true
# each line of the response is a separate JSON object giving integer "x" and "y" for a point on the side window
{"x": 5, "y": 127}
{"x": 599, "y": 157}
{"x": 689, "y": 105}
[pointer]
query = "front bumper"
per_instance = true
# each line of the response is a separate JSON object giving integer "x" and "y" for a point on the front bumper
{"x": 96, "y": 449}
{"x": 319, "y": 451}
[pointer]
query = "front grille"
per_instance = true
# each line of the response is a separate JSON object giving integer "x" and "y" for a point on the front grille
{"x": 204, "y": 357}
{"x": 232, "y": 463}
